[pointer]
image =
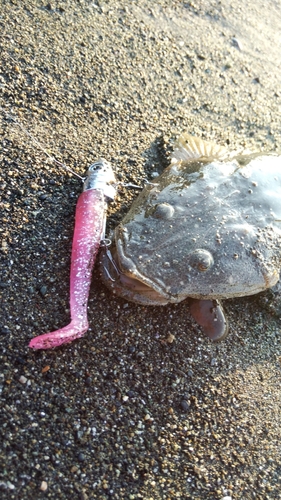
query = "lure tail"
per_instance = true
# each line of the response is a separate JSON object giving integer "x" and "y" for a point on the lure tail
{"x": 88, "y": 233}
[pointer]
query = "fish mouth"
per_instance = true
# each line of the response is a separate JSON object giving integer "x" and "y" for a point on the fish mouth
{"x": 121, "y": 274}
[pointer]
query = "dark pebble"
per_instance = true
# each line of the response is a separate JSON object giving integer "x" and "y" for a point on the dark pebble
{"x": 190, "y": 373}
{"x": 43, "y": 290}
{"x": 88, "y": 381}
{"x": 81, "y": 457}
{"x": 184, "y": 405}
{"x": 20, "y": 360}
{"x": 69, "y": 410}
{"x": 3, "y": 284}
{"x": 131, "y": 349}
{"x": 48, "y": 376}
{"x": 131, "y": 394}
{"x": 4, "y": 330}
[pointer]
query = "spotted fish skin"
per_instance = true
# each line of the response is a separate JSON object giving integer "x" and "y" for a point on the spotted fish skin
{"x": 208, "y": 228}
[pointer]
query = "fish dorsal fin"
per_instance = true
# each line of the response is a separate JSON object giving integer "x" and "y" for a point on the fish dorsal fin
{"x": 188, "y": 148}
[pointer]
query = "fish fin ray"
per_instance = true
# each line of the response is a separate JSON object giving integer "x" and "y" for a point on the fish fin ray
{"x": 188, "y": 147}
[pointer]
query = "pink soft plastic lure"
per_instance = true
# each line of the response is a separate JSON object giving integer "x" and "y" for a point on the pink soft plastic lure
{"x": 89, "y": 230}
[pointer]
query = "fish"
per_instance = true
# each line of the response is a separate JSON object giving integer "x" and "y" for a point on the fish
{"x": 208, "y": 228}
{"x": 89, "y": 231}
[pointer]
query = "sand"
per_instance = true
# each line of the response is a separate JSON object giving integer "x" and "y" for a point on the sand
{"x": 144, "y": 406}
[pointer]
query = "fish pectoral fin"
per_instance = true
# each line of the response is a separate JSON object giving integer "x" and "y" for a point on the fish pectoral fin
{"x": 188, "y": 148}
{"x": 210, "y": 316}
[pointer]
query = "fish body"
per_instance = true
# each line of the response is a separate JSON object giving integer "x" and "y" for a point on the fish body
{"x": 208, "y": 228}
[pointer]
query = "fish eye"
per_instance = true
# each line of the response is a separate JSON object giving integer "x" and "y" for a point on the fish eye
{"x": 163, "y": 211}
{"x": 95, "y": 166}
{"x": 201, "y": 260}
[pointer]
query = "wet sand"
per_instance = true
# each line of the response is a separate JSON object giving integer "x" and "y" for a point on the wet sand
{"x": 144, "y": 406}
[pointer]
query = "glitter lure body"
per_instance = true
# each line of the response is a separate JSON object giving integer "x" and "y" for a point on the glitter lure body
{"x": 90, "y": 219}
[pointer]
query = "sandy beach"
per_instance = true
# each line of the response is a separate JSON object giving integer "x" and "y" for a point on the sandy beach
{"x": 144, "y": 406}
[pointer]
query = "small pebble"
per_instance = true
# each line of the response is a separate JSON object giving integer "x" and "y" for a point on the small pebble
{"x": 4, "y": 330}
{"x": 44, "y": 486}
{"x": 23, "y": 379}
{"x": 170, "y": 339}
{"x": 7, "y": 485}
{"x": 43, "y": 290}
{"x": 184, "y": 405}
{"x": 236, "y": 43}
{"x": 20, "y": 360}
